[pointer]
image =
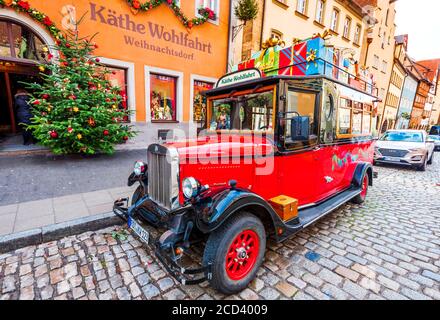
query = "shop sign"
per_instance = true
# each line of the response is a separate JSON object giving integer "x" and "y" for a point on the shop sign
{"x": 238, "y": 76}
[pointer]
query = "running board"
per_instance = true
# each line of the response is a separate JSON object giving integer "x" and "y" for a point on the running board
{"x": 309, "y": 215}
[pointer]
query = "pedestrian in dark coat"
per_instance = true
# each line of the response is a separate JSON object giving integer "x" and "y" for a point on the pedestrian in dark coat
{"x": 24, "y": 114}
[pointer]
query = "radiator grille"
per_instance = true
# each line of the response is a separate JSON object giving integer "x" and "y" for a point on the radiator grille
{"x": 163, "y": 176}
{"x": 393, "y": 153}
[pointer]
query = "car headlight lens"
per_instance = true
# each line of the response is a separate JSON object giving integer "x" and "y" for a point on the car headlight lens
{"x": 190, "y": 187}
{"x": 139, "y": 168}
{"x": 417, "y": 150}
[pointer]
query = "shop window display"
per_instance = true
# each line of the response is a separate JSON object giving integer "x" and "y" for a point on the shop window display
{"x": 199, "y": 104}
{"x": 163, "y": 97}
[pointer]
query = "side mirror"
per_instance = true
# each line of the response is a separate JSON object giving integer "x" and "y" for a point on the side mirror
{"x": 300, "y": 128}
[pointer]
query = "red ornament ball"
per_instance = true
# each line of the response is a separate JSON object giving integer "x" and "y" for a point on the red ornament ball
{"x": 105, "y": 132}
{"x": 67, "y": 45}
{"x": 72, "y": 97}
{"x": 125, "y": 138}
{"x": 97, "y": 60}
{"x": 36, "y": 102}
{"x": 54, "y": 134}
{"x": 45, "y": 96}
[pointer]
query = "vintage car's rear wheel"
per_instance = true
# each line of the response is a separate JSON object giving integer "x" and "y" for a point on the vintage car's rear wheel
{"x": 235, "y": 252}
{"x": 360, "y": 198}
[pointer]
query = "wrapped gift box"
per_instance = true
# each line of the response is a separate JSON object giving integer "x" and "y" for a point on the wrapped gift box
{"x": 304, "y": 58}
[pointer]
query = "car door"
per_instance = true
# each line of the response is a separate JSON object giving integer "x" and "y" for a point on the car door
{"x": 299, "y": 162}
{"x": 330, "y": 175}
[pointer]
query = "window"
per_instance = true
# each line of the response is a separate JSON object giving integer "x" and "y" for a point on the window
{"x": 211, "y": 4}
{"x": 243, "y": 112}
{"x": 335, "y": 20}
{"x": 357, "y": 34}
{"x": 163, "y": 97}
{"x": 199, "y": 103}
{"x": 384, "y": 66}
{"x": 376, "y": 62}
{"x": 328, "y": 119}
{"x": 386, "y": 17}
{"x": 118, "y": 78}
{"x": 320, "y": 7}
{"x": 344, "y": 117}
{"x": 354, "y": 118}
{"x": 300, "y": 108}
{"x": 276, "y": 34}
{"x": 17, "y": 41}
{"x": 301, "y": 6}
{"x": 347, "y": 26}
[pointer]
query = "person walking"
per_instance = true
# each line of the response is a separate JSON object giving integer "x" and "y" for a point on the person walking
{"x": 24, "y": 114}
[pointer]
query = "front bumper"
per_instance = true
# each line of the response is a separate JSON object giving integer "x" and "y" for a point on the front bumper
{"x": 165, "y": 251}
{"x": 411, "y": 159}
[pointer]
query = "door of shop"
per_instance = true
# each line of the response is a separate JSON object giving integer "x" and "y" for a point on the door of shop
{"x": 12, "y": 76}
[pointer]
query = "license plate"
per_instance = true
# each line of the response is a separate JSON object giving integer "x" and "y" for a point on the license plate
{"x": 395, "y": 159}
{"x": 141, "y": 232}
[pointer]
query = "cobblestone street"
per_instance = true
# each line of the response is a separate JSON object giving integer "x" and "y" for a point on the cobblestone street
{"x": 388, "y": 248}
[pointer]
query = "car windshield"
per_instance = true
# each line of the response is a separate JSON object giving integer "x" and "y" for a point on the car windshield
{"x": 252, "y": 111}
{"x": 402, "y": 136}
{"x": 437, "y": 138}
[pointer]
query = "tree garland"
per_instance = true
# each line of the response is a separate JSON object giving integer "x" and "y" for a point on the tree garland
{"x": 24, "y": 6}
{"x": 206, "y": 13}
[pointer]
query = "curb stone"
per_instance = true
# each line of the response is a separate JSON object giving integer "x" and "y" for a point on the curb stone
{"x": 57, "y": 231}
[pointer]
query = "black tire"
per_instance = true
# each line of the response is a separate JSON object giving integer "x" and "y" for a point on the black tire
{"x": 220, "y": 242}
{"x": 360, "y": 198}
{"x": 138, "y": 193}
{"x": 431, "y": 159}
{"x": 422, "y": 167}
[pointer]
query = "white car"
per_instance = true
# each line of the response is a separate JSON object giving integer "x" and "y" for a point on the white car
{"x": 405, "y": 147}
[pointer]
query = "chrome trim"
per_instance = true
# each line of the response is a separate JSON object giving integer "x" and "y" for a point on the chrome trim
{"x": 163, "y": 175}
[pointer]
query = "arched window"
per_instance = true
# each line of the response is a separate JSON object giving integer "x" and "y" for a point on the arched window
{"x": 19, "y": 42}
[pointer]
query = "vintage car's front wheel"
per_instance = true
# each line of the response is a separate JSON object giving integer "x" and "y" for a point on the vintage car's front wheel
{"x": 235, "y": 252}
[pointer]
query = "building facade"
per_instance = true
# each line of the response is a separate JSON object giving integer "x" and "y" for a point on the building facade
{"x": 377, "y": 54}
{"x": 417, "y": 116}
{"x": 162, "y": 57}
{"x": 300, "y": 19}
{"x": 432, "y": 107}
{"x": 406, "y": 101}
{"x": 395, "y": 87}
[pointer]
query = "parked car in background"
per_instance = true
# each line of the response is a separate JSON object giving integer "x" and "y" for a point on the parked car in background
{"x": 435, "y": 130}
{"x": 405, "y": 147}
{"x": 436, "y": 142}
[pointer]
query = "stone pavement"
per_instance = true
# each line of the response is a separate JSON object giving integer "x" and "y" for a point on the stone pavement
{"x": 387, "y": 248}
{"x": 34, "y": 214}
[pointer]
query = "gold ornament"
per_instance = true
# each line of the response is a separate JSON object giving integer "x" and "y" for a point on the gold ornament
{"x": 79, "y": 136}
{"x": 75, "y": 109}
{"x": 45, "y": 49}
{"x": 41, "y": 68}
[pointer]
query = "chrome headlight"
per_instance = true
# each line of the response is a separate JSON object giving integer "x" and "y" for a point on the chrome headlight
{"x": 190, "y": 187}
{"x": 417, "y": 150}
{"x": 139, "y": 168}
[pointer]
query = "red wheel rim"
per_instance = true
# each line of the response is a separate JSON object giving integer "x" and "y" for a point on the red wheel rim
{"x": 242, "y": 255}
{"x": 364, "y": 187}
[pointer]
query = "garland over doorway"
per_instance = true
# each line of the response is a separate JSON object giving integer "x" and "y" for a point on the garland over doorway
{"x": 24, "y": 6}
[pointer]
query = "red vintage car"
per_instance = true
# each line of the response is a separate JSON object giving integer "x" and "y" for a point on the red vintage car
{"x": 277, "y": 154}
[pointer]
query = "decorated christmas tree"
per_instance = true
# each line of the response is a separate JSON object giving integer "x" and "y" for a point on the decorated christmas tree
{"x": 75, "y": 108}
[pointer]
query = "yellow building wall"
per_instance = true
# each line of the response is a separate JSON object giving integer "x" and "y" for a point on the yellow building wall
{"x": 285, "y": 19}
